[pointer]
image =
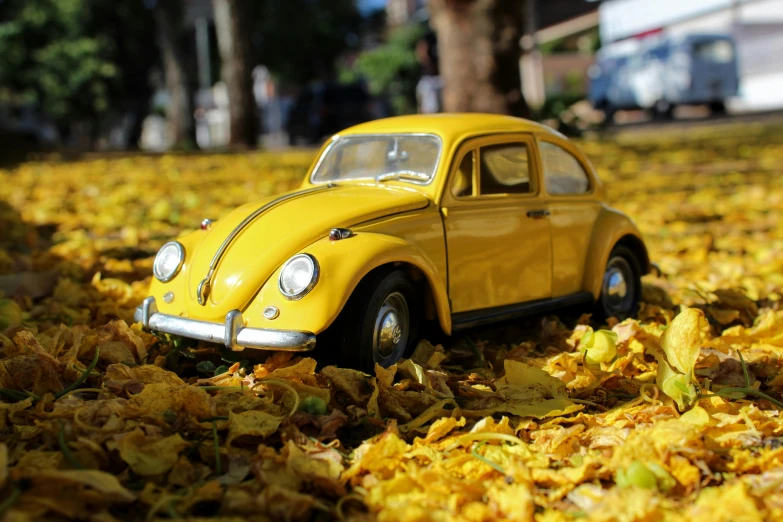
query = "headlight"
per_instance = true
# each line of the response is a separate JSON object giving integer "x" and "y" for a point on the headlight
{"x": 298, "y": 276}
{"x": 168, "y": 261}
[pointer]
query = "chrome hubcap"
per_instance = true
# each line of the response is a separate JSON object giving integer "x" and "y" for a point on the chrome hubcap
{"x": 391, "y": 327}
{"x": 617, "y": 296}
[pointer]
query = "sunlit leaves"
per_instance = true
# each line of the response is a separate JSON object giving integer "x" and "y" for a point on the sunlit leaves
{"x": 554, "y": 417}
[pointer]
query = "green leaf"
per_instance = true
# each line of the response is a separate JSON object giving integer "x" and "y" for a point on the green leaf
{"x": 205, "y": 367}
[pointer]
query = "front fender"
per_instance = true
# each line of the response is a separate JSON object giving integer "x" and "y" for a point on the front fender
{"x": 611, "y": 227}
{"x": 342, "y": 265}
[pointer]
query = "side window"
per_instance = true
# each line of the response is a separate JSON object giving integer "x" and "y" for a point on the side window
{"x": 505, "y": 169}
{"x": 563, "y": 174}
{"x": 462, "y": 185}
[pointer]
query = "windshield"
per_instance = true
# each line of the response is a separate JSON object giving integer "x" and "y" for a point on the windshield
{"x": 406, "y": 157}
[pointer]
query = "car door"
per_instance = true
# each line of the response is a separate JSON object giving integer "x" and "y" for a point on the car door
{"x": 570, "y": 195}
{"x": 497, "y": 228}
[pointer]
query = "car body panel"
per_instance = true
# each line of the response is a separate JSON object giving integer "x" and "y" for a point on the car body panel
{"x": 272, "y": 237}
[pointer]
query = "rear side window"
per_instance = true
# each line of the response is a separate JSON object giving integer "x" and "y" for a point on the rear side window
{"x": 718, "y": 51}
{"x": 505, "y": 169}
{"x": 563, "y": 174}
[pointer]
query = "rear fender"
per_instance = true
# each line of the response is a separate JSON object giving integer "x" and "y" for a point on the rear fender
{"x": 611, "y": 227}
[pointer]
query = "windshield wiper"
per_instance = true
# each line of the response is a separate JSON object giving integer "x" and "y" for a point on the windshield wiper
{"x": 404, "y": 175}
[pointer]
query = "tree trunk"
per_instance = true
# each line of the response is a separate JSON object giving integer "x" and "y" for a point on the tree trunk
{"x": 479, "y": 51}
{"x": 231, "y": 18}
{"x": 179, "y": 115}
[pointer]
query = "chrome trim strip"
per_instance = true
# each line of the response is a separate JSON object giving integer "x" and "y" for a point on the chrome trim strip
{"x": 202, "y": 291}
{"x": 338, "y": 137}
{"x": 232, "y": 333}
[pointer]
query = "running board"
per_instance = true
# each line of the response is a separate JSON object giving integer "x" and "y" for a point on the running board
{"x": 465, "y": 320}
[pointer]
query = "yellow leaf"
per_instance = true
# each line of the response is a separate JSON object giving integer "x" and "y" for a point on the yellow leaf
{"x": 3, "y": 464}
{"x": 10, "y": 314}
{"x": 729, "y": 503}
{"x": 308, "y": 465}
{"x": 250, "y": 424}
{"x": 147, "y": 373}
{"x": 148, "y": 456}
{"x": 156, "y": 398}
{"x": 373, "y": 409}
{"x": 440, "y": 428}
{"x": 697, "y": 416}
{"x": 681, "y": 342}
{"x": 68, "y": 492}
{"x": 381, "y": 457}
{"x": 385, "y": 376}
{"x": 414, "y": 371}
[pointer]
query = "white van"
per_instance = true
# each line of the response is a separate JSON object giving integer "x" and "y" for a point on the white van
{"x": 660, "y": 74}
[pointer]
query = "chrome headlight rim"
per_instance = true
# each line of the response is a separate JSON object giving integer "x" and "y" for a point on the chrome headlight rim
{"x": 313, "y": 280}
{"x": 181, "y": 252}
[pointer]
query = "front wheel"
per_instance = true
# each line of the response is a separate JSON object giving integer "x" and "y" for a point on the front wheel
{"x": 621, "y": 288}
{"x": 379, "y": 323}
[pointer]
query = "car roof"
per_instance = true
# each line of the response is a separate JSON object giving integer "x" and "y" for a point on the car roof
{"x": 449, "y": 126}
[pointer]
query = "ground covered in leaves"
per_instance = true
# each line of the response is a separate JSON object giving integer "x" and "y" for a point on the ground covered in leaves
{"x": 672, "y": 415}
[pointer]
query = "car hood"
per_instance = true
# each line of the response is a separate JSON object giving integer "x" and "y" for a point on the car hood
{"x": 288, "y": 224}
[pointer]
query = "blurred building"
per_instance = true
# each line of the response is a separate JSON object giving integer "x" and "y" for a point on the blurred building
{"x": 556, "y": 60}
{"x": 399, "y": 12}
{"x": 755, "y": 25}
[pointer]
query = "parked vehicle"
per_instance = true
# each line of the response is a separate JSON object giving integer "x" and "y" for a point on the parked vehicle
{"x": 666, "y": 72}
{"x": 458, "y": 219}
{"x": 322, "y": 110}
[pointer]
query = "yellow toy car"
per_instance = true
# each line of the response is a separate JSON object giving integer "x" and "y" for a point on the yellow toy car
{"x": 459, "y": 219}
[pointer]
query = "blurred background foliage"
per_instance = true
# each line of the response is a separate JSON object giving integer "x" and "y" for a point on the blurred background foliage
{"x": 392, "y": 68}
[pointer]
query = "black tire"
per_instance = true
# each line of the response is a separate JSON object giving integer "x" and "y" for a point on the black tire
{"x": 718, "y": 107}
{"x": 353, "y": 340}
{"x": 663, "y": 111}
{"x": 622, "y": 301}
{"x": 609, "y": 113}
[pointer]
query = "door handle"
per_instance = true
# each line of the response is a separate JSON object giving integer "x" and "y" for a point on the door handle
{"x": 538, "y": 213}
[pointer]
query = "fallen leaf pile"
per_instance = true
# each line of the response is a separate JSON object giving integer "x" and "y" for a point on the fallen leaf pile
{"x": 672, "y": 415}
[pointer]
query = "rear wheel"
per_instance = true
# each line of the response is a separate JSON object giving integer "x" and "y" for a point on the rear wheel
{"x": 621, "y": 287}
{"x": 379, "y": 324}
{"x": 663, "y": 111}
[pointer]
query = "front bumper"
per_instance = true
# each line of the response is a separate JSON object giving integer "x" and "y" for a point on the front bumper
{"x": 232, "y": 333}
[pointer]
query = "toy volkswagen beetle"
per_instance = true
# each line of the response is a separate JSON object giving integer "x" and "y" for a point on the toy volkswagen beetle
{"x": 461, "y": 219}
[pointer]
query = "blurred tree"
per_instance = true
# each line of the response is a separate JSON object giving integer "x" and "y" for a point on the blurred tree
{"x": 392, "y": 69}
{"x": 179, "y": 115}
{"x": 231, "y": 26}
{"x": 300, "y": 40}
{"x": 479, "y": 49}
{"x": 79, "y": 60}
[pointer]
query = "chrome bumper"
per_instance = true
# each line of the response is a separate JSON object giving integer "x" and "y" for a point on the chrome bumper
{"x": 231, "y": 333}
